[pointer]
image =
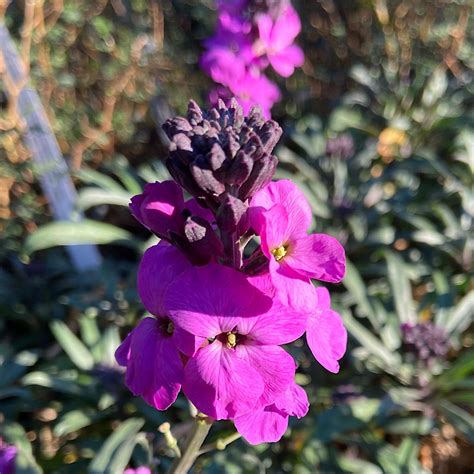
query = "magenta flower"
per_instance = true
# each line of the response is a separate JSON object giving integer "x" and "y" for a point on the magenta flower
{"x": 255, "y": 90}
{"x": 281, "y": 216}
{"x": 244, "y": 329}
{"x": 325, "y": 333}
{"x": 159, "y": 207}
{"x": 162, "y": 209}
{"x": 268, "y": 424}
{"x": 7, "y": 458}
{"x": 276, "y": 41}
{"x": 151, "y": 352}
{"x": 138, "y": 470}
{"x": 247, "y": 39}
{"x": 223, "y": 65}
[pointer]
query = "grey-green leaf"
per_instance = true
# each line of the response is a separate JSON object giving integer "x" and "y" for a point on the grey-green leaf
{"x": 74, "y": 233}
{"x": 72, "y": 345}
{"x": 115, "y": 453}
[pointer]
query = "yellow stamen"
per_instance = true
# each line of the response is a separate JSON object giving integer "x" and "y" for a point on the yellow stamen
{"x": 279, "y": 252}
{"x": 170, "y": 327}
{"x": 231, "y": 340}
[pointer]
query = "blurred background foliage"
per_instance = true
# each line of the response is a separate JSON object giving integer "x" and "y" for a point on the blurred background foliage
{"x": 379, "y": 133}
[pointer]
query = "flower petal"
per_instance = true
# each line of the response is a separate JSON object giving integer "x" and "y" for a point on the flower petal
{"x": 122, "y": 354}
{"x": 160, "y": 265}
{"x": 273, "y": 228}
{"x": 285, "y": 61}
{"x": 285, "y": 29}
{"x": 293, "y": 401}
{"x": 159, "y": 207}
{"x": 317, "y": 256}
{"x": 154, "y": 367}
{"x": 220, "y": 384}
{"x": 292, "y": 289}
{"x": 279, "y": 325}
{"x": 327, "y": 338}
{"x": 210, "y": 300}
{"x": 324, "y": 300}
{"x": 266, "y": 425}
{"x": 265, "y": 25}
{"x": 196, "y": 210}
{"x": 275, "y": 366}
{"x": 286, "y": 193}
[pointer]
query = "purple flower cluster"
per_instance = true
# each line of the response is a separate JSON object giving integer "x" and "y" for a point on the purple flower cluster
{"x": 250, "y": 36}
{"x": 425, "y": 341}
{"x": 221, "y": 315}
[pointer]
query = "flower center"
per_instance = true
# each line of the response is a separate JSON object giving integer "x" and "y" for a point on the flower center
{"x": 280, "y": 252}
{"x": 166, "y": 327}
{"x": 231, "y": 340}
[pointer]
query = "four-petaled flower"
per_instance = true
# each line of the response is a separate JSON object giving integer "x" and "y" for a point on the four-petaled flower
{"x": 151, "y": 352}
{"x": 276, "y": 41}
{"x": 281, "y": 215}
{"x": 241, "y": 367}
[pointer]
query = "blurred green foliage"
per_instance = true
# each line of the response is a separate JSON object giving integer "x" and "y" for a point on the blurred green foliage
{"x": 379, "y": 133}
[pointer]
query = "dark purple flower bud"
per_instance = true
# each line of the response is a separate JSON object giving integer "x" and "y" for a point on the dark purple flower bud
{"x": 262, "y": 173}
{"x": 240, "y": 169}
{"x": 232, "y": 214}
{"x": 221, "y": 151}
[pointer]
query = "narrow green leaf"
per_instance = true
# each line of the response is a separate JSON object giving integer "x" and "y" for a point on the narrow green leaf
{"x": 25, "y": 462}
{"x": 462, "y": 420}
{"x": 358, "y": 290}
{"x": 74, "y": 233}
{"x": 102, "y": 180}
{"x": 391, "y": 360}
{"x": 73, "y": 421}
{"x": 115, "y": 453}
{"x": 89, "y": 197}
{"x": 56, "y": 383}
{"x": 72, "y": 345}
{"x": 401, "y": 288}
{"x": 462, "y": 315}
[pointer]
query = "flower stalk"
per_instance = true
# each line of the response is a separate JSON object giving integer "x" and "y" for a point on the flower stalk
{"x": 191, "y": 449}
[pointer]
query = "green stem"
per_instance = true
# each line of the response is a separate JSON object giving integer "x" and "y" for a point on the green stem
{"x": 221, "y": 443}
{"x": 190, "y": 450}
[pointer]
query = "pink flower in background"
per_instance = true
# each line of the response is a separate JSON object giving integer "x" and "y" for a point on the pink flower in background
{"x": 138, "y": 470}
{"x": 281, "y": 216}
{"x": 7, "y": 458}
{"x": 251, "y": 90}
{"x": 244, "y": 330}
{"x": 248, "y": 38}
{"x": 276, "y": 41}
{"x": 268, "y": 424}
{"x": 150, "y": 353}
{"x": 223, "y": 65}
{"x": 325, "y": 333}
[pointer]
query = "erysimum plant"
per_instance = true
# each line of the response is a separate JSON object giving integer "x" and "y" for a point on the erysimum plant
{"x": 222, "y": 311}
